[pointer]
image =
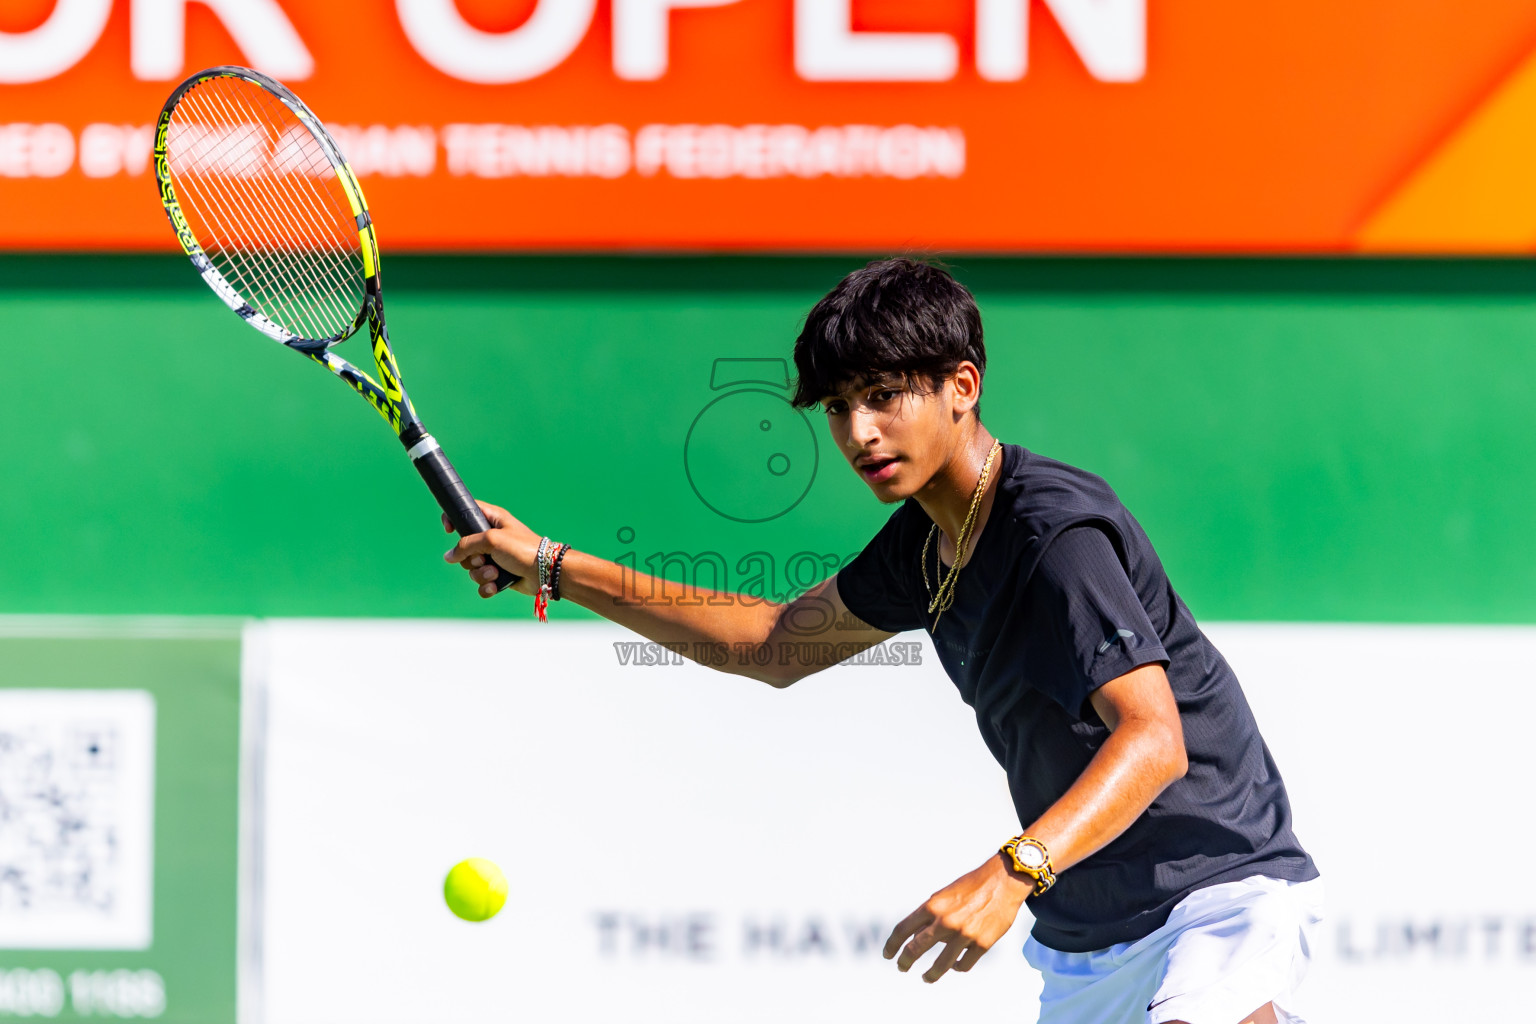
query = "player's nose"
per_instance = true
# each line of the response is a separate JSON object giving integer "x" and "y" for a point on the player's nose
{"x": 863, "y": 430}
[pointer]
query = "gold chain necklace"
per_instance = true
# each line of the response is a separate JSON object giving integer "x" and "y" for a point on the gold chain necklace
{"x": 939, "y": 603}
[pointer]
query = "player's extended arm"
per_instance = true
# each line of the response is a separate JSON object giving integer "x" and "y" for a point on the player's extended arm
{"x": 774, "y": 643}
{"x": 1143, "y": 755}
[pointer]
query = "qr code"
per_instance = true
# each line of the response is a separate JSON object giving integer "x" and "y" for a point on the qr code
{"x": 76, "y": 819}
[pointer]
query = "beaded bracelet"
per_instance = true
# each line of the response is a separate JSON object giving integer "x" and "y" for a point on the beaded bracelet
{"x": 554, "y": 572}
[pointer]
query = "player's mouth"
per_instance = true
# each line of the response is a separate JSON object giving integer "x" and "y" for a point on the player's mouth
{"x": 877, "y": 468}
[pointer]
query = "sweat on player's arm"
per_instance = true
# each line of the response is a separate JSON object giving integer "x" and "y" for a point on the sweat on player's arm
{"x": 738, "y": 621}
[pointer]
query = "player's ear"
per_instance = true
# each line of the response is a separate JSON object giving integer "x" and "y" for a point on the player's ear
{"x": 966, "y": 382}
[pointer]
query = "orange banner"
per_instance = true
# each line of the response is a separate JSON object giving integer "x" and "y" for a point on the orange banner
{"x": 793, "y": 125}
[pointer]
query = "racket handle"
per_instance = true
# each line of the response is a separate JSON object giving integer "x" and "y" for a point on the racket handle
{"x": 453, "y": 496}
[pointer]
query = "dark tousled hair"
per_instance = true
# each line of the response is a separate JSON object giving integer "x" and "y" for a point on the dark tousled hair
{"x": 898, "y": 318}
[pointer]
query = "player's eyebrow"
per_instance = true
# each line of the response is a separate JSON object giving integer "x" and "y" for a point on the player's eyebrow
{"x": 861, "y": 384}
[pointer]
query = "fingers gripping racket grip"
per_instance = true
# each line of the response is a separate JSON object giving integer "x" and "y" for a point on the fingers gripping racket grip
{"x": 454, "y": 497}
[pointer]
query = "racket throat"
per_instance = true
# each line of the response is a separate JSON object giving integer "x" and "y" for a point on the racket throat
{"x": 417, "y": 441}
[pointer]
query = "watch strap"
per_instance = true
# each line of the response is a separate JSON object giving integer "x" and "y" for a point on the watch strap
{"x": 1043, "y": 874}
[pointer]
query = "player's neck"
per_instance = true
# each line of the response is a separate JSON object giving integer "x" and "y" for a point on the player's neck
{"x": 947, "y": 496}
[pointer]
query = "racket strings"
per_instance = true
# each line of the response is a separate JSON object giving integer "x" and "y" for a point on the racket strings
{"x": 202, "y": 197}
{"x": 250, "y": 246}
{"x": 337, "y": 223}
{"x": 282, "y": 282}
{"x": 265, "y": 203}
{"x": 287, "y": 281}
{"x": 266, "y": 282}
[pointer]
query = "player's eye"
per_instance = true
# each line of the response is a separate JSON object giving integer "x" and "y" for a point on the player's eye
{"x": 836, "y": 408}
{"x": 884, "y": 395}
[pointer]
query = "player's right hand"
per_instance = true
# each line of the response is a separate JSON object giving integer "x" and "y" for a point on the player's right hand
{"x": 508, "y": 543}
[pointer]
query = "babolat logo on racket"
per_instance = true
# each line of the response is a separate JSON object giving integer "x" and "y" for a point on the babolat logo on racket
{"x": 265, "y": 206}
{"x": 184, "y": 235}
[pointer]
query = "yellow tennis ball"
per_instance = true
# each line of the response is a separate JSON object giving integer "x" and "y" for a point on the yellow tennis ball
{"x": 475, "y": 889}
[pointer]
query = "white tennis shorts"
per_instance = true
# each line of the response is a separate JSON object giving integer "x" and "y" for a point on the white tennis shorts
{"x": 1225, "y": 951}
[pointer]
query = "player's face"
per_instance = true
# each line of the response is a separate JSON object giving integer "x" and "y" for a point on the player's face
{"x": 895, "y": 438}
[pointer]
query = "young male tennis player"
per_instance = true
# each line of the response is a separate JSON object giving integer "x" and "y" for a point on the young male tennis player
{"x": 1157, "y": 854}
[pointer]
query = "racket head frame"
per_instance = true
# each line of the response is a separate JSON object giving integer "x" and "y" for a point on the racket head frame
{"x": 387, "y": 394}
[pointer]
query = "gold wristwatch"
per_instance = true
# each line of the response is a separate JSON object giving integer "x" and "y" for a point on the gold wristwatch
{"x": 1028, "y": 856}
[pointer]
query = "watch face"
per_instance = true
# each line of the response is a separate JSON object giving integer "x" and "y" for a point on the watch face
{"x": 1031, "y": 856}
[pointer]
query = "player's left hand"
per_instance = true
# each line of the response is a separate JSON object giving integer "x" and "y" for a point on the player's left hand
{"x": 966, "y": 917}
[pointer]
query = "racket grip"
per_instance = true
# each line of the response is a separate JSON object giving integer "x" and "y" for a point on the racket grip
{"x": 456, "y": 501}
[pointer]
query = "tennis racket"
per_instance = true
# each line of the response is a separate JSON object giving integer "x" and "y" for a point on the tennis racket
{"x": 268, "y": 210}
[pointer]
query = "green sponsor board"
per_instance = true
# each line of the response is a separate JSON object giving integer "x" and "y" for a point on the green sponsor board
{"x": 119, "y": 778}
{"x": 1304, "y": 440}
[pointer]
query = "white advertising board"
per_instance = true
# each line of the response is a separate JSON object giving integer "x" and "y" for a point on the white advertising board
{"x": 685, "y": 846}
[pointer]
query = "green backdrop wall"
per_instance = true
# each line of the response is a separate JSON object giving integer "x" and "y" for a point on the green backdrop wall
{"x": 1328, "y": 440}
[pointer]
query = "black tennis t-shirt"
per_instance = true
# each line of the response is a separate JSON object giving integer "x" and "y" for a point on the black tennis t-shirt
{"x": 1063, "y": 593}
